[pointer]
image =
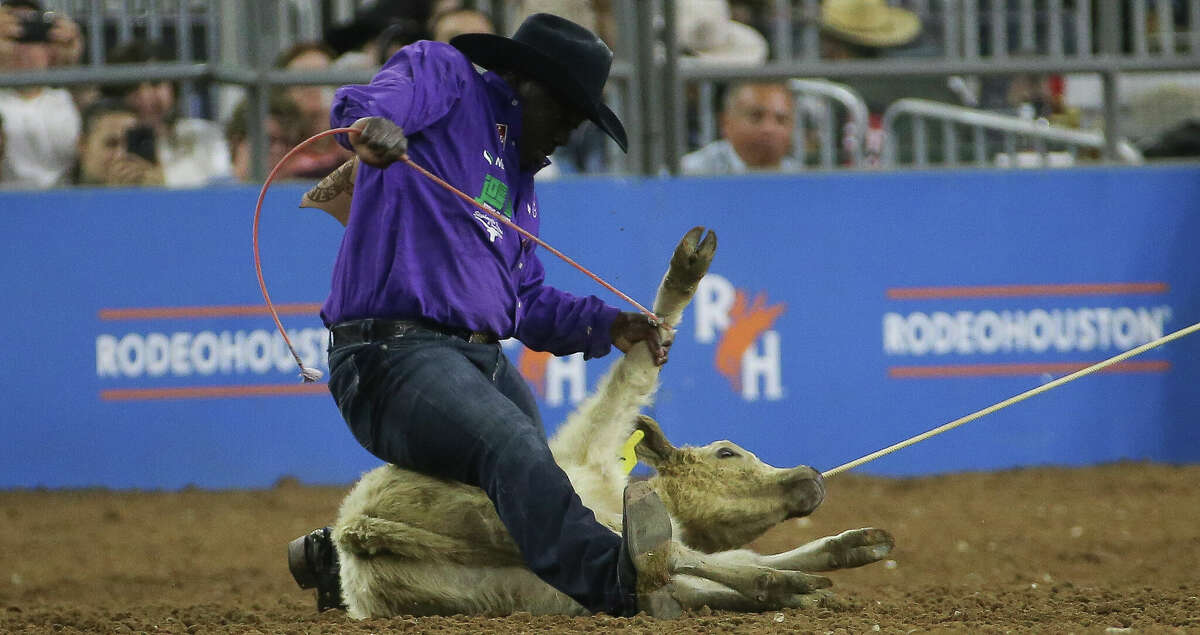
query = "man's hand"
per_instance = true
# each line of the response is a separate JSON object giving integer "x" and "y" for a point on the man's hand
{"x": 630, "y": 328}
{"x": 381, "y": 142}
{"x": 10, "y": 31}
{"x": 133, "y": 170}
{"x": 66, "y": 41}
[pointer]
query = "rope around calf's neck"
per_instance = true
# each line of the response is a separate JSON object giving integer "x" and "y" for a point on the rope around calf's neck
{"x": 313, "y": 374}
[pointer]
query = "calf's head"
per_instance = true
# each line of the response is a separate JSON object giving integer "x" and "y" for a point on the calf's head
{"x": 721, "y": 494}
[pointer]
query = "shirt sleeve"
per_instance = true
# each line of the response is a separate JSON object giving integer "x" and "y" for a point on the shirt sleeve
{"x": 415, "y": 89}
{"x": 559, "y": 322}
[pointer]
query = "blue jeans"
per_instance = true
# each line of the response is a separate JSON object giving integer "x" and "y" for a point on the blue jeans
{"x": 436, "y": 404}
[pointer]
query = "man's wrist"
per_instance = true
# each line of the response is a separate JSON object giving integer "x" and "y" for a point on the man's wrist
{"x": 600, "y": 341}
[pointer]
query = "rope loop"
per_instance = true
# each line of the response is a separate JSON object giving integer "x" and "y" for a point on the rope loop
{"x": 313, "y": 374}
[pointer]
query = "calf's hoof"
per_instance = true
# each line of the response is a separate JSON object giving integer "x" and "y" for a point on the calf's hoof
{"x": 313, "y": 562}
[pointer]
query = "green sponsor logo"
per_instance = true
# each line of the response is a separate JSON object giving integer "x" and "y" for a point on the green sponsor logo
{"x": 494, "y": 194}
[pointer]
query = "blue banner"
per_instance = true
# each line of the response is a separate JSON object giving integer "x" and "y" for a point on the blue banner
{"x": 843, "y": 313}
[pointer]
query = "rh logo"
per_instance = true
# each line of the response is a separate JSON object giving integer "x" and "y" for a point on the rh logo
{"x": 748, "y": 352}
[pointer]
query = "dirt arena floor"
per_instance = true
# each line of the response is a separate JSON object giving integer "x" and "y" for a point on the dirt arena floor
{"x": 1108, "y": 549}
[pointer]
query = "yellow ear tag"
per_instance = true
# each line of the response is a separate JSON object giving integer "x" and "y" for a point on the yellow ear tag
{"x": 628, "y": 456}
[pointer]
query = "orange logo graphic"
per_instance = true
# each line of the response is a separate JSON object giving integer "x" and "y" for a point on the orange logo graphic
{"x": 532, "y": 367}
{"x": 745, "y": 326}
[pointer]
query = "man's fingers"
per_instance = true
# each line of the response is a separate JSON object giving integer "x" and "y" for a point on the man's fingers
{"x": 380, "y": 143}
{"x": 63, "y": 30}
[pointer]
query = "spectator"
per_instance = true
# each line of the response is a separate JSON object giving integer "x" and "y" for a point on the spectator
{"x": 455, "y": 22}
{"x": 757, "y": 123}
{"x": 324, "y": 155}
{"x": 870, "y": 29}
{"x": 191, "y": 151}
{"x": 364, "y": 41}
{"x": 862, "y": 29}
{"x": 108, "y": 148}
{"x": 41, "y": 124}
{"x": 284, "y": 124}
{"x": 707, "y": 35}
{"x": 394, "y": 38}
{"x": 595, "y": 15}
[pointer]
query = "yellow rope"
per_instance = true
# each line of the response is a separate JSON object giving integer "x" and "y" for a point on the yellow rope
{"x": 1012, "y": 400}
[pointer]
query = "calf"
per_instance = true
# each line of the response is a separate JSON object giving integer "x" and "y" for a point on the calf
{"x": 417, "y": 545}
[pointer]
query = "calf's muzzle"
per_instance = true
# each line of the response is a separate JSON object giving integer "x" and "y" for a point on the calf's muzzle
{"x": 807, "y": 491}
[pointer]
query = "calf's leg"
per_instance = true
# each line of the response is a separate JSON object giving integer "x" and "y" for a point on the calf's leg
{"x": 757, "y": 582}
{"x": 849, "y": 549}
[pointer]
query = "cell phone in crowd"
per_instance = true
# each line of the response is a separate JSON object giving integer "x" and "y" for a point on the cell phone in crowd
{"x": 139, "y": 141}
{"x": 36, "y": 27}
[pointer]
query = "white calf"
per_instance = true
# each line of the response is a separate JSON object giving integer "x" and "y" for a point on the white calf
{"x": 416, "y": 545}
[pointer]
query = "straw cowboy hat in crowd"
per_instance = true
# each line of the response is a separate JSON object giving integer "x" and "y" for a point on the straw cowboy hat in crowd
{"x": 563, "y": 56}
{"x": 869, "y": 22}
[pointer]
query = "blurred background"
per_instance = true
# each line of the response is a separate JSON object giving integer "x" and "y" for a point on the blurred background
{"x": 1015, "y": 83}
{"x": 925, "y": 206}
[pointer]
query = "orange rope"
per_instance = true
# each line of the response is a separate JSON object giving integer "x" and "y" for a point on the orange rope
{"x": 312, "y": 374}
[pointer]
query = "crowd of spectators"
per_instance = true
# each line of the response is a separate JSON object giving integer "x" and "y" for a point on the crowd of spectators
{"x": 136, "y": 134}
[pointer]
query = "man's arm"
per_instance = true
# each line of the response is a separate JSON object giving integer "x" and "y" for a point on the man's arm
{"x": 413, "y": 90}
{"x": 379, "y": 143}
{"x": 335, "y": 192}
{"x": 562, "y": 323}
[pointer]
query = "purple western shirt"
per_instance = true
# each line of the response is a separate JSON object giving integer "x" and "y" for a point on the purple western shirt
{"x": 413, "y": 250}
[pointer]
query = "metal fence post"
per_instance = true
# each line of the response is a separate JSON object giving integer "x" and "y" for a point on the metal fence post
{"x": 674, "y": 105}
{"x": 261, "y": 46}
{"x": 1111, "y": 20}
{"x": 631, "y": 111}
{"x": 645, "y": 72}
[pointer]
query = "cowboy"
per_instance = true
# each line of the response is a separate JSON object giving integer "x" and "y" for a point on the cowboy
{"x": 425, "y": 286}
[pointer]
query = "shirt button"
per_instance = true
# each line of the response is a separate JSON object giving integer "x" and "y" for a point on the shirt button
{"x": 518, "y": 304}
{"x": 521, "y": 265}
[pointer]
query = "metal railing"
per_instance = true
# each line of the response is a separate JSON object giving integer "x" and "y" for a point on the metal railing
{"x": 814, "y": 101}
{"x": 975, "y": 39}
{"x": 1017, "y": 135}
{"x": 233, "y": 42}
{"x": 970, "y": 29}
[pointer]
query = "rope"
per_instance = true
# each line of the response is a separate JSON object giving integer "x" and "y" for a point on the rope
{"x": 312, "y": 374}
{"x": 1012, "y": 400}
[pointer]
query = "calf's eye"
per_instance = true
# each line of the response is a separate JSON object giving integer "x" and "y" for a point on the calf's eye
{"x": 725, "y": 453}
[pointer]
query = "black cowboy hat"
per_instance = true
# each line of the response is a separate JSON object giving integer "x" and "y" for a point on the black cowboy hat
{"x": 567, "y": 58}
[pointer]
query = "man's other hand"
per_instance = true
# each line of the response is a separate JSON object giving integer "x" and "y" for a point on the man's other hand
{"x": 66, "y": 41}
{"x": 381, "y": 142}
{"x": 630, "y": 328}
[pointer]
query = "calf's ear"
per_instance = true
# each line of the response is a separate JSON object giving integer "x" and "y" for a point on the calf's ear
{"x": 654, "y": 448}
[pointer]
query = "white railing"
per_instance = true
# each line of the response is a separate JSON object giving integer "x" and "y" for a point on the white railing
{"x": 1020, "y": 137}
{"x": 813, "y": 100}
